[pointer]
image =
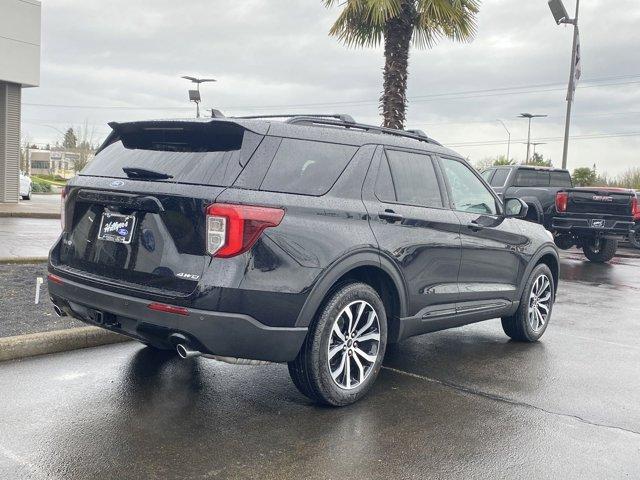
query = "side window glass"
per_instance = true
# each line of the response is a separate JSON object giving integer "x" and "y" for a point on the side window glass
{"x": 385, "y": 190}
{"x": 487, "y": 174}
{"x": 468, "y": 193}
{"x": 306, "y": 167}
{"x": 500, "y": 178}
{"x": 414, "y": 179}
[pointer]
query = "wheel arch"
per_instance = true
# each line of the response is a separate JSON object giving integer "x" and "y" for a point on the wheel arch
{"x": 534, "y": 206}
{"x": 547, "y": 255}
{"x": 370, "y": 268}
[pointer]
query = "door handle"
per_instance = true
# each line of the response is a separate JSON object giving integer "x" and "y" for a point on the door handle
{"x": 474, "y": 226}
{"x": 390, "y": 216}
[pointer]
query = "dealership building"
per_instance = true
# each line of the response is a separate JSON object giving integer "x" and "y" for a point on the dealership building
{"x": 19, "y": 68}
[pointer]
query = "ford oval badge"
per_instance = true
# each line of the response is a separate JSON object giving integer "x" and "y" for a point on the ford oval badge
{"x": 117, "y": 183}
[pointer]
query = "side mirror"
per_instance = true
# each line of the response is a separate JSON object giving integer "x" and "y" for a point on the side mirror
{"x": 515, "y": 208}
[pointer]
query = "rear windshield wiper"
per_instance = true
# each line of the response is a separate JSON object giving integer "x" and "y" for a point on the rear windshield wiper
{"x": 133, "y": 172}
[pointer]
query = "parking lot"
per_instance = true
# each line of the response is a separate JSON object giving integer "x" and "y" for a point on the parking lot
{"x": 463, "y": 403}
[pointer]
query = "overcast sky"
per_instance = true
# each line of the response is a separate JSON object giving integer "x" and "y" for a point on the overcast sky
{"x": 122, "y": 60}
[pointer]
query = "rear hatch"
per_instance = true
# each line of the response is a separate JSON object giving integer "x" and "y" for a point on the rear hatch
{"x": 600, "y": 201}
{"x": 135, "y": 216}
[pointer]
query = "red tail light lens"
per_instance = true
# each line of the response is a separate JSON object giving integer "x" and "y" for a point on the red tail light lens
{"x": 55, "y": 279}
{"x": 635, "y": 209}
{"x": 234, "y": 229}
{"x": 163, "y": 307}
{"x": 562, "y": 198}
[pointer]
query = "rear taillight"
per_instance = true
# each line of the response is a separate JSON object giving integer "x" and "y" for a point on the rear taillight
{"x": 63, "y": 198}
{"x": 635, "y": 209}
{"x": 562, "y": 198}
{"x": 233, "y": 229}
{"x": 55, "y": 279}
{"x": 163, "y": 307}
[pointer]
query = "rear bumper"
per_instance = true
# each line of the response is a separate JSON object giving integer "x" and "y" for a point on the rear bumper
{"x": 585, "y": 226}
{"x": 216, "y": 333}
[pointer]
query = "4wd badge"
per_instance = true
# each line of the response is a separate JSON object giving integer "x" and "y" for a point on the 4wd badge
{"x": 187, "y": 276}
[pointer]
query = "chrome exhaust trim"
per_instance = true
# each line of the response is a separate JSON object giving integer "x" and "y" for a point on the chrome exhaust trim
{"x": 185, "y": 352}
{"x": 59, "y": 311}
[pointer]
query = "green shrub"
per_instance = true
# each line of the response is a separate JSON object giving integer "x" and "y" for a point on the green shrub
{"x": 39, "y": 186}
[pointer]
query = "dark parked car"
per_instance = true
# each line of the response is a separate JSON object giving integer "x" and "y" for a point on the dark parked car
{"x": 593, "y": 219}
{"x": 315, "y": 241}
{"x": 537, "y": 186}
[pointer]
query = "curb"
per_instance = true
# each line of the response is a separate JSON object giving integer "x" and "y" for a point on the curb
{"x": 23, "y": 260}
{"x": 22, "y": 346}
{"x": 41, "y": 215}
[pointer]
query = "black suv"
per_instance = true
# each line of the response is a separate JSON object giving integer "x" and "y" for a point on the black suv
{"x": 314, "y": 241}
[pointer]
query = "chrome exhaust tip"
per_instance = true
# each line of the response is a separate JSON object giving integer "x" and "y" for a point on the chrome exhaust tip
{"x": 58, "y": 311}
{"x": 185, "y": 352}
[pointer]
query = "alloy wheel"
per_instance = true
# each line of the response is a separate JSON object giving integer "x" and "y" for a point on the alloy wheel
{"x": 354, "y": 344}
{"x": 539, "y": 303}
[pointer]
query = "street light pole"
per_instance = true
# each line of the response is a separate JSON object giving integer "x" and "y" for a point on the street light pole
{"x": 194, "y": 95}
{"x": 529, "y": 116}
{"x": 572, "y": 86}
{"x": 508, "y": 141}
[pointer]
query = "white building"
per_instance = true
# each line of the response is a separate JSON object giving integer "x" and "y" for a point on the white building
{"x": 19, "y": 68}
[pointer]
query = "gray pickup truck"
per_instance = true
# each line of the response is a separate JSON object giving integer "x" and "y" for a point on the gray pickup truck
{"x": 593, "y": 219}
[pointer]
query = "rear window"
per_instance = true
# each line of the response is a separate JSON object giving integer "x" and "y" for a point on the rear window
{"x": 532, "y": 178}
{"x": 306, "y": 167}
{"x": 500, "y": 178}
{"x": 203, "y": 154}
{"x": 561, "y": 179}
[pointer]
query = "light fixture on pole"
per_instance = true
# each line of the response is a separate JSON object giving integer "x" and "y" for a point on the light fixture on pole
{"x": 509, "y": 139}
{"x": 194, "y": 95}
{"x": 535, "y": 144}
{"x": 529, "y": 116}
{"x": 561, "y": 16}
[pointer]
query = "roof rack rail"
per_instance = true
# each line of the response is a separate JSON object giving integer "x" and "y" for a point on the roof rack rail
{"x": 338, "y": 116}
{"x": 329, "y": 120}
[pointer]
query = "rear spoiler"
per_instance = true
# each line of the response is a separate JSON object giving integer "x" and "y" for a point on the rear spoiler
{"x": 147, "y": 133}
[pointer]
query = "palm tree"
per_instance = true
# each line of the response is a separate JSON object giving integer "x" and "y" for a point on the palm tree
{"x": 367, "y": 23}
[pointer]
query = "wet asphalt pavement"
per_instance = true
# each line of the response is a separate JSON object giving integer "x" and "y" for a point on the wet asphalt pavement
{"x": 463, "y": 403}
{"x": 27, "y": 237}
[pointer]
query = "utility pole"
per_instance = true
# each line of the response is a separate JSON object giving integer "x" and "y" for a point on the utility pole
{"x": 508, "y": 141}
{"x": 561, "y": 16}
{"x": 529, "y": 116}
{"x": 572, "y": 87}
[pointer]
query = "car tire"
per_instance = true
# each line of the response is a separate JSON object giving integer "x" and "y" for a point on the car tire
{"x": 606, "y": 252}
{"x": 529, "y": 322}
{"x": 333, "y": 366}
{"x": 634, "y": 237}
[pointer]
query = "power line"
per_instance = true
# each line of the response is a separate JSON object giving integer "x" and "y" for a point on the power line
{"x": 544, "y": 139}
{"x": 470, "y": 94}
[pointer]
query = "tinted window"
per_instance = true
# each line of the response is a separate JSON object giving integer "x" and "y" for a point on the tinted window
{"x": 487, "y": 174}
{"x": 500, "y": 178}
{"x": 532, "y": 178}
{"x": 306, "y": 167}
{"x": 384, "y": 183}
{"x": 560, "y": 179}
{"x": 468, "y": 193}
{"x": 414, "y": 179}
{"x": 200, "y": 153}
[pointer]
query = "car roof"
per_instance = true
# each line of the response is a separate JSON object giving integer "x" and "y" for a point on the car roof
{"x": 317, "y": 129}
{"x": 531, "y": 167}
